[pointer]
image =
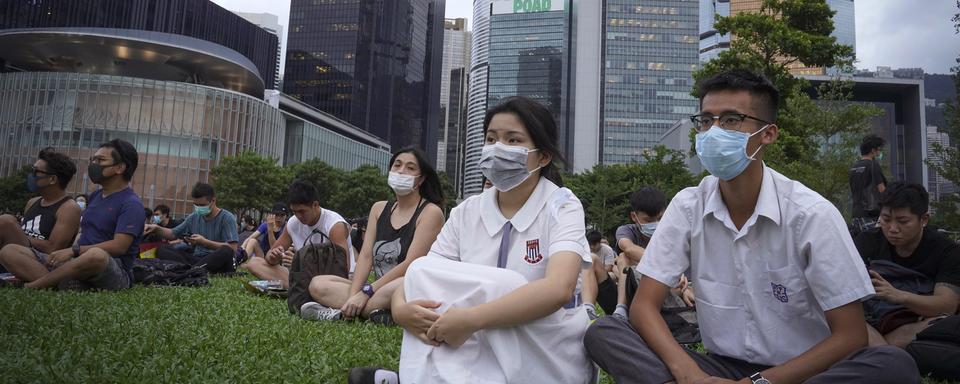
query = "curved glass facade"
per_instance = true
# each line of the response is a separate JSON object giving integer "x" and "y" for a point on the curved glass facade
{"x": 203, "y": 20}
{"x": 180, "y": 130}
{"x": 477, "y": 97}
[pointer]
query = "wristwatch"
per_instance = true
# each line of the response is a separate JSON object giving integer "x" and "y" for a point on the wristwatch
{"x": 368, "y": 290}
{"x": 76, "y": 250}
{"x": 757, "y": 378}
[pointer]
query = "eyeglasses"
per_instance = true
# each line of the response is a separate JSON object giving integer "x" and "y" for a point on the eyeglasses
{"x": 728, "y": 121}
{"x": 36, "y": 171}
{"x": 99, "y": 160}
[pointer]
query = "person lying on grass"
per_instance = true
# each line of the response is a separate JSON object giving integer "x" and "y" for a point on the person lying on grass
{"x": 309, "y": 219}
{"x": 110, "y": 232}
{"x": 406, "y": 226}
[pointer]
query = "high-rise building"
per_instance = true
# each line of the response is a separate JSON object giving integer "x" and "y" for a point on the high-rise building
{"x": 650, "y": 53}
{"x": 453, "y": 99}
{"x": 712, "y": 42}
{"x": 476, "y": 97}
{"x": 937, "y": 185}
{"x": 271, "y": 23}
{"x": 373, "y": 63}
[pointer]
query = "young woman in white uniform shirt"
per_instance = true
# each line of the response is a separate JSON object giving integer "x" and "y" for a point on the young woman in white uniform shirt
{"x": 497, "y": 298}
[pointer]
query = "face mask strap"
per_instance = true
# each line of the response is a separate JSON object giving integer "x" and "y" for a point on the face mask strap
{"x": 753, "y": 156}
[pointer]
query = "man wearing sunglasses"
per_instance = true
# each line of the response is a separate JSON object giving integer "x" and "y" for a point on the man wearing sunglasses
{"x": 50, "y": 221}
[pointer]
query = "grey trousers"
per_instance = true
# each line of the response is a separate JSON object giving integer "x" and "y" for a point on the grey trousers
{"x": 614, "y": 345}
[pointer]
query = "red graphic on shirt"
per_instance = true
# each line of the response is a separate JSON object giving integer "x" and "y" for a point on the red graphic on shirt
{"x": 533, "y": 255}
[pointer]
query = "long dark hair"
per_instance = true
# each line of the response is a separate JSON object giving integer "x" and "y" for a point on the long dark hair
{"x": 430, "y": 188}
{"x": 541, "y": 127}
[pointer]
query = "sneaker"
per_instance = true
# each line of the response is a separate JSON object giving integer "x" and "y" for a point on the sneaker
{"x": 315, "y": 312}
{"x": 372, "y": 375}
{"x": 382, "y": 317}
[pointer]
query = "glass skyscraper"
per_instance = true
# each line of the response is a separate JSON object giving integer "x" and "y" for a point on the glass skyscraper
{"x": 650, "y": 53}
{"x": 375, "y": 64}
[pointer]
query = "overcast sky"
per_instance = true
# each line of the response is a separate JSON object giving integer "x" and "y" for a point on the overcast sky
{"x": 894, "y": 33}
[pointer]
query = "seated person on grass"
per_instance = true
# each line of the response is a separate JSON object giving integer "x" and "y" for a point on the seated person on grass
{"x": 266, "y": 235}
{"x": 51, "y": 220}
{"x": 308, "y": 218}
{"x": 110, "y": 232}
{"x": 210, "y": 232}
{"x": 904, "y": 238}
{"x": 405, "y": 226}
{"x": 497, "y": 297}
{"x": 780, "y": 281}
{"x": 603, "y": 258}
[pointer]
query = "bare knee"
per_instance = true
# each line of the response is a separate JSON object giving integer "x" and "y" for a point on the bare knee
{"x": 319, "y": 286}
{"x": 93, "y": 261}
{"x": 9, "y": 222}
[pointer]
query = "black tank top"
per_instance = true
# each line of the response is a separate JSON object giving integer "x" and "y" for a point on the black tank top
{"x": 391, "y": 245}
{"x": 38, "y": 221}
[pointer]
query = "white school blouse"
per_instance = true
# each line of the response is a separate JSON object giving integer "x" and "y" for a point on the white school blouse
{"x": 551, "y": 221}
{"x": 761, "y": 291}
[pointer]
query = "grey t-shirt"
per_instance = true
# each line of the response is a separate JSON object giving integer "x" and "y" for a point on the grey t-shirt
{"x": 221, "y": 228}
{"x": 630, "y": 232}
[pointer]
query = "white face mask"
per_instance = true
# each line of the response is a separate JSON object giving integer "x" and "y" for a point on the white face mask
{"x": 505, "y": 165}
{"x": 401, "y": 184}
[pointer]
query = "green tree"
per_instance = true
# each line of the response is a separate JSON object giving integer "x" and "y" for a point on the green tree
{"x": 324, "y": 177}
{"x": 818, "y": 139}
{"x": 449, "y": 193}
{"x": 249, "y": 182}
{"x": 605, "y": 190}
{"x": 948, "y": 207}
{"x": 13, "y": 191}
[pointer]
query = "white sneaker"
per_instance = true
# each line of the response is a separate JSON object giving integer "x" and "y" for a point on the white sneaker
{"x": 315, "y": 312}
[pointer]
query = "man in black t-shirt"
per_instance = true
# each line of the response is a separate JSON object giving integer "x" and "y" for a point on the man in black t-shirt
{"x": 904, "y": 239}
{"x": 867, "y": 183}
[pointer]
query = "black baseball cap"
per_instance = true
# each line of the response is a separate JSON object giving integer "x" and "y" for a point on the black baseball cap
{"x": 280, "y": 209}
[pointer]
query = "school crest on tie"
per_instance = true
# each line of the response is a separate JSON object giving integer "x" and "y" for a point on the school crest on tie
{"x": 533, "y": 255}
{"x": 780, "y": 292}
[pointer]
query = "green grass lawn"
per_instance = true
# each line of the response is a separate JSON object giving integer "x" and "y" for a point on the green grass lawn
{"x": 219, "y": 333}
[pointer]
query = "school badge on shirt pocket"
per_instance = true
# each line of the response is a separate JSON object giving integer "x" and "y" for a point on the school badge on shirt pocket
{"x": 533, "y": 255}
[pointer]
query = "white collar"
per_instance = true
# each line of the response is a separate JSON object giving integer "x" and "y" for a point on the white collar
{"x": 493, "y": 220}
{"x": 768, "y": 204}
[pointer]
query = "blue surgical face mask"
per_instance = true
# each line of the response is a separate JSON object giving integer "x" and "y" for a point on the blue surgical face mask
{"x": 156, "y": 219}
{"x": 724, "y": 153}
{"x": 202, "y": 210}
{"x": 82, "y": 204}
{"x": 648, "y": 228}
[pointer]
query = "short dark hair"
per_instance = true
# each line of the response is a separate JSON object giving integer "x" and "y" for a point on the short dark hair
{"x": 165, "y": 210}
{"x": 871, "y": 142}
{"x": 594, "y": 236}
{"x": 302, "y": 192}
{"x": 202, "y": 190}
{"x": 147, "y": 212}
{"x": 761, "y": 88}
{"x": 430, "y": 188}
{"x": 540, "y": 125}
{"x": 901, "y": 194}
{"x": 649, "y": 200}
{"x": 123, "y": 152}
{"x": 58, "y": 165}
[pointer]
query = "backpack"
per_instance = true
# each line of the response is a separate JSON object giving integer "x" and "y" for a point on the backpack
{"x": 168, "y": 272}
{"x": 937, "y": 349}
{"x": 312, "y": 260}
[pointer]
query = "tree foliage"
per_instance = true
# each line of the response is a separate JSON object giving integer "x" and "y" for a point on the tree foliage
{"x": 948, "y": 207}
{"x": 249, "y": 182}
{"x": 818, "y": 139}
{"x": 13, "y": 191}
{"x": 605, "y": 190}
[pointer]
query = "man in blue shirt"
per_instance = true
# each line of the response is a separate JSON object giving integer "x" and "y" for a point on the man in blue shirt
{"x": 210, "y": 230}
{"x": 110, "y": 229}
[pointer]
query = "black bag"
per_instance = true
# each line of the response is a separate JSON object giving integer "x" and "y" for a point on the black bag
{"x": 886, "y": 316}
{"x": 937, "y": 349}
{"x": 312, "y": 260}
{"x": 168, "y": 272}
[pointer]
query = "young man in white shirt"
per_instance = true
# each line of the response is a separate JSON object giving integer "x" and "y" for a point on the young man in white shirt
{"x": 779, "y": 279}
